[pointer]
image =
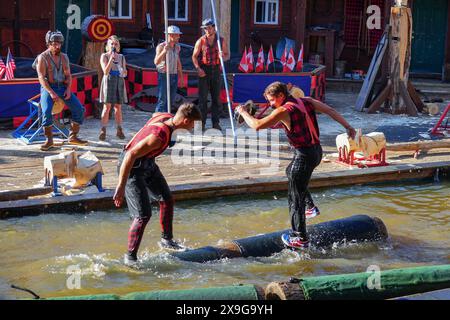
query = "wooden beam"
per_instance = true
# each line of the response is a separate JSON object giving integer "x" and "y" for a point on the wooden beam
{"x": 382, "y": 97}
{"x": 411, "y": 108}
{"x": 415, "y": 97}
{"x": 418, "y": 145}
{"x": 24, "y": 194}
{"x": 103, "y": 200}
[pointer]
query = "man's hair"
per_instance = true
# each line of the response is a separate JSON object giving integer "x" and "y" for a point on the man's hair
{"x": 190, "y": 111}
{"x": 276, "y": 88}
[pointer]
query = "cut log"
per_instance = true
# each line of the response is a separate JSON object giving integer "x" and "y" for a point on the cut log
{"x": 61, "y": 165}
{"x": 370, "y": 144}
{"x": 418, "y": 145}
{"x": 284, "y": 291}
{"x": 24, "y": 194}
{"x": 87, "y": 168}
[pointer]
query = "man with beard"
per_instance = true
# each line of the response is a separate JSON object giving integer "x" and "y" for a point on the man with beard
{"x": 206, "y": 59}
{"x": 53, "y": 70}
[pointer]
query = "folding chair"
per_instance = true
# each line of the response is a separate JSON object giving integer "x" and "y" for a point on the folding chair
{"x": 34, "y": 133}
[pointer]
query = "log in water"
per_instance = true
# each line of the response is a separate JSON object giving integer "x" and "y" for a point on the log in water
{"x": 359, "y": 228}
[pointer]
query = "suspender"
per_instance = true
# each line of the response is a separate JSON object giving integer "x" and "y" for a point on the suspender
{"x": 311, "y": 127}
{"x": 156, "y": 120}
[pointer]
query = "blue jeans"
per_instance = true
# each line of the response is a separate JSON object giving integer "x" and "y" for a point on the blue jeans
{"x": 73, "y": 103}
{"x": 161, "y": 106}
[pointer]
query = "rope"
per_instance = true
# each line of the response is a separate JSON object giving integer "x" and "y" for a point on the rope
{"x": 26, "y": 290}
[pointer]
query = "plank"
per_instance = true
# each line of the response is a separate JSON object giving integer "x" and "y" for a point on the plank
{"x": 380, "y": 51}
{"x": 382, "y": 97}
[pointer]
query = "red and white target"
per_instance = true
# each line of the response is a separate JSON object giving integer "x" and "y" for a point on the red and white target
{"x": 97, "y": 28}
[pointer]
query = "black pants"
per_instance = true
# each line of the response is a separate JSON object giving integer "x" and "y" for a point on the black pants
{"x": 210, "y": 84}
{"x": 147, "y": 183}
{"x": 299, "y": 173}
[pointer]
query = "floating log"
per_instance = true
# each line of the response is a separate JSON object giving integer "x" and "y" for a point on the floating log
{"x": 360, "y": 228}
{"x": 238, "y": 292}
{"x": 365, "y": 285}
{"x": 418, "y": 145}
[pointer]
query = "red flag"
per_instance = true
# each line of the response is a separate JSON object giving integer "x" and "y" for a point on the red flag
{"x": 269, "y": 58}
{"x": 243, "y": 65}
{"x": 260, "y": 61}
{"x": 10, "y": 66}
{"x": 2, "y": 68}
{"x": 284, "y": 60}
{"x": 250, "y": 61}
{"x": 290, "y": 64}
{"x": 300, "y": 60}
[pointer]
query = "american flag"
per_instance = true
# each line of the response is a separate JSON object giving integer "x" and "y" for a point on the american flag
{"x": 2, "y": 68}
{"x": 10, "y": 66}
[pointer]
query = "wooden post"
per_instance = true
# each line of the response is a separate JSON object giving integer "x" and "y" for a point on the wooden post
{"x": 91, "y": 57}
{"x": 400, "y": 59}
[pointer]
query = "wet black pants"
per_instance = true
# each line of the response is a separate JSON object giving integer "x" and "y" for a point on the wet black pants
{"x": 299, "y": 173}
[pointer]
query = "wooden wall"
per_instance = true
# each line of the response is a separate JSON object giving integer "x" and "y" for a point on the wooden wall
{"x": 268, "y": 34}
{"x": 130, "y": 28}
{"x": 23, "y": 25}
{"x": 191, "y": 29}
{"x": 447, "y": 50}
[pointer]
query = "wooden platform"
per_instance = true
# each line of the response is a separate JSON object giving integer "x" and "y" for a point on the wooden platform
{"x": 203, "y": 190}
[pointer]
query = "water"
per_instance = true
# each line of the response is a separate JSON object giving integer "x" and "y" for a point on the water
{"x": 36, "y": 252}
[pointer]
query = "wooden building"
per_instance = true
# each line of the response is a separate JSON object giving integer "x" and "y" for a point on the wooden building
{"x": 330, "y": 29}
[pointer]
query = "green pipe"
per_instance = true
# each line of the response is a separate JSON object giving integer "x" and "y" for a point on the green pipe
{"x": 369, "y": 285}
{"x": 238, "y": 292}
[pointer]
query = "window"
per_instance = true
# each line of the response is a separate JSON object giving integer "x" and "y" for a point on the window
{"x": 178, "y": 10}
{"x": 266, "y": 11}
{"x": 119, "y": 9}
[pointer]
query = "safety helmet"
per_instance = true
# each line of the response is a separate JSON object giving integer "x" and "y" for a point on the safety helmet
{"x": 173, "y": 30}
{"x": 54, "y": 36}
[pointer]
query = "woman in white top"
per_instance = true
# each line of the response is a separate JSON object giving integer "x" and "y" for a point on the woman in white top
{"x": 113, "y": 90}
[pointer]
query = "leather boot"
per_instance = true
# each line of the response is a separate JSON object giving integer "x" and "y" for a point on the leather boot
{"x": 48, "y": 132}
{"x": 119, "y": 133}
{"x": 102, "y": 135}
{"x": 73, "y": 139}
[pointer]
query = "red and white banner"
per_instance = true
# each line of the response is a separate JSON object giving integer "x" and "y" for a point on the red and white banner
{"x": 260, "y": 61}
{"x": 284, "y": 60}
{"x": 250, "y": 60}
{"x": 270, "y": 58}
{"x": 243, "y": 65}
{"x": 300, "y": 60}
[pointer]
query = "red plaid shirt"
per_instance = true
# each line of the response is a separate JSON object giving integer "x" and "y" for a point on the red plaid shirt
{"x": 300, "y": 134}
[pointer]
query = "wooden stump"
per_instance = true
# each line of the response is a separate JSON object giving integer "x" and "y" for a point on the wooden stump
{"x": 91, "y": 58}
{"x": 399, "y": 94}
{"x": 284, "y": 291}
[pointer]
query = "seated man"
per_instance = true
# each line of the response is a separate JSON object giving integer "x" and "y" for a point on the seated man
{"x": 53, "y": 70}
